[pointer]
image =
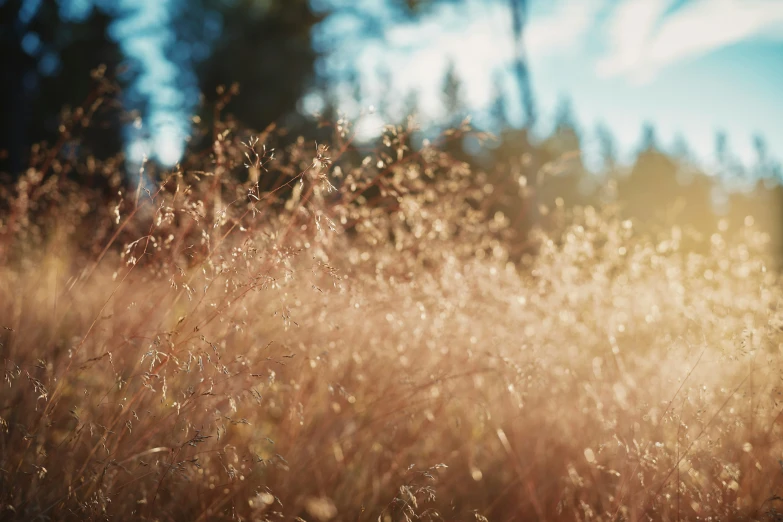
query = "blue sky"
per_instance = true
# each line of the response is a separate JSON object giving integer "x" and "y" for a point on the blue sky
{"x": 690, "y": 67}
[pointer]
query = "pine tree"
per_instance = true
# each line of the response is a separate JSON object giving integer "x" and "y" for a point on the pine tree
{"x": 649, "y": 139}
{"x": 607, "y": 148}
{"x": 452, "y": 94}
{"x": 498, "y": 110}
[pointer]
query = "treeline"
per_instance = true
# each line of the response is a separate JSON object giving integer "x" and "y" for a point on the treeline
{"x": 269, "y": 51}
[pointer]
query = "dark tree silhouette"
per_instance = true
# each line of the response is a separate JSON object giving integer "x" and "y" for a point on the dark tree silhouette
{"x": 499, "y": 109}
{"x": 649, "y": 142}
{"x": 521, "y": 70}
{"x": 47, "y": 65}
{"x": 452, "y": 94}
{"x": 268, "y": 52}
{"x": 607, "y": 148}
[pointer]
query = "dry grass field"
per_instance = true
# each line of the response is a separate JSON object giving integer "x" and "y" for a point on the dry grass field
{"x": 321, "y": 339}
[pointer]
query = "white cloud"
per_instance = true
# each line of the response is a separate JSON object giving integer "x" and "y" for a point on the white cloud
{"x": 629, "y": 33}
{"x": 563, "y": 29}
{"x": 643, "y": 40}
{"x": 477, "y": 35}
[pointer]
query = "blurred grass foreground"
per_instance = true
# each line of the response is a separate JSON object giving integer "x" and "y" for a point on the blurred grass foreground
{"x": 321, "y": 334}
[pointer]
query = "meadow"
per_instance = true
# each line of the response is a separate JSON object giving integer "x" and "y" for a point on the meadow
{"x": 318, "y": 337}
